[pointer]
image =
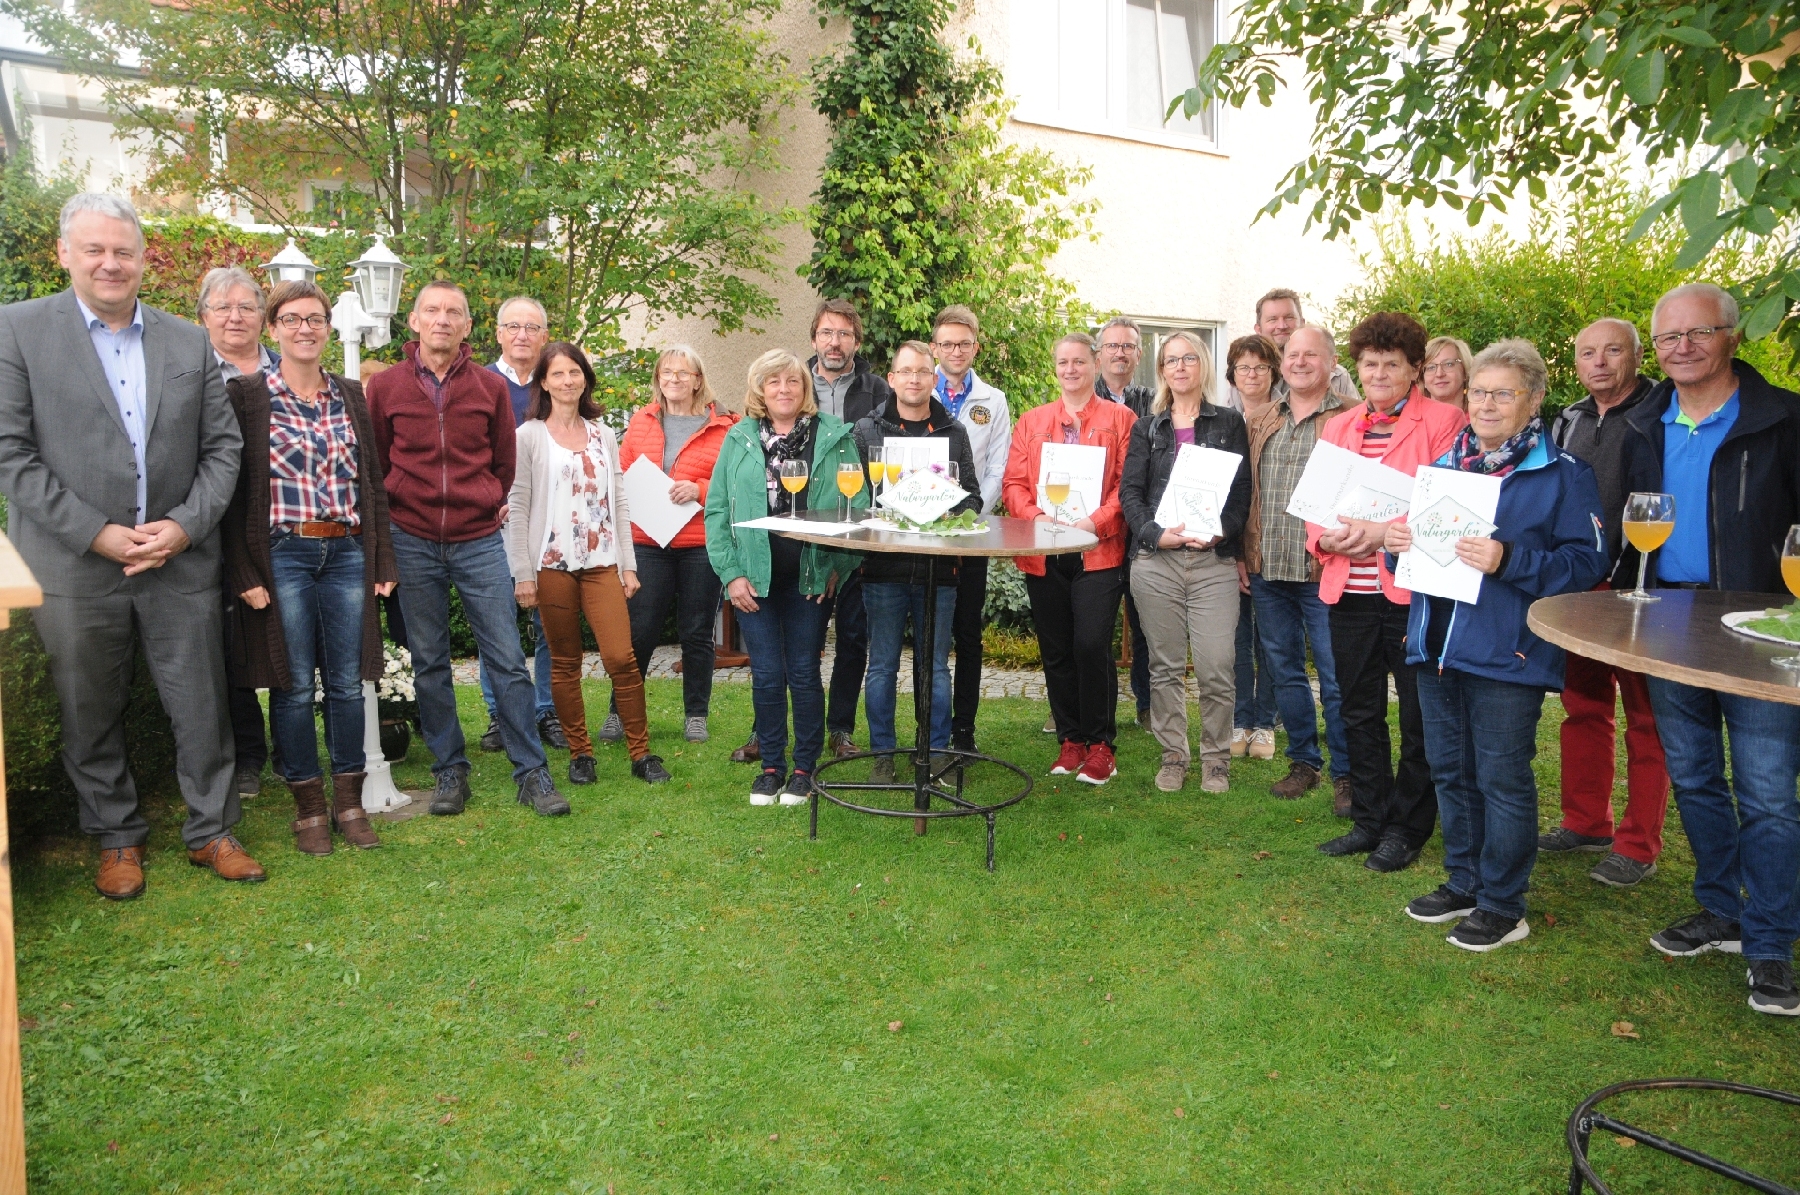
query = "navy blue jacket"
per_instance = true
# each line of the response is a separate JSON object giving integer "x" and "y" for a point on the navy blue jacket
{"x": 1549, "y": 520}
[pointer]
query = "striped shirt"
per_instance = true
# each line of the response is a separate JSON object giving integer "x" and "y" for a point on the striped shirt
{"x": 1365, "y": 575}
{"x": 312, "y": 457}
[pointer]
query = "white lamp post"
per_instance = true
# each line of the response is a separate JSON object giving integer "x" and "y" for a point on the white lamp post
{"x": 291, "y": 265}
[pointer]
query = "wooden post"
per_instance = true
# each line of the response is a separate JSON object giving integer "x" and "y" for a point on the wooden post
{"x": 18, "y": 588}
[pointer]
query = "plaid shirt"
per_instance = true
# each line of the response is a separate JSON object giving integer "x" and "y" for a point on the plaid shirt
{"x": 312, "y": 457}
{"x": 1283, "y": 460}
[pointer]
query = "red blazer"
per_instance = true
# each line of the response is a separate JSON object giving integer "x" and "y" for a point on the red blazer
{"x": 1107, "y": 424}
{"x": 644, "y": 437}
{"x": 1425, "y": 432}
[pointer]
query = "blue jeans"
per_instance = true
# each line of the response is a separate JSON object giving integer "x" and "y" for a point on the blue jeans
{"x": 889, "y": 607}
{"x": 784, "y": 638}
{"x": 319, "y": 591}
{"x": 1289, "y": 615}
{"x": 1255, "y": 688}
{"x": 1747, "y": 858}
{"x": 1487, "y": 795}
{"x": 540, "y": 673}
{"x": 478, "y": 569}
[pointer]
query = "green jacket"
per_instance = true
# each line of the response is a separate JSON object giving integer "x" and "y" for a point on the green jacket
{"x": 739, "y": 492}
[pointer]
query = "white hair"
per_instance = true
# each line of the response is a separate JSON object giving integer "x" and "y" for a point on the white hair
{"x": 500, "y": 311}
{"x": 1727, "y": 306}
{"x": 224, "y": 280}
{"x": 1637, "y": 343}
{"x": 111, "y": 206}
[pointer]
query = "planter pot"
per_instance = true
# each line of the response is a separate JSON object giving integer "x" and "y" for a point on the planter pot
{"x": 396, "y": 737}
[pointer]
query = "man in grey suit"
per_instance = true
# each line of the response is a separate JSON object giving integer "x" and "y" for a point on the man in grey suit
{"x": 118, "y": 454}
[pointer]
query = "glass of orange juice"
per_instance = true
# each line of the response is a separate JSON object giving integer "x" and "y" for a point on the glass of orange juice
{"x": 849, "y": 482}
{"x": 1790, "y": 573}
{"x": 1649, "y": 521}
{"x": 1056, "y": 489}
{"x": 877, "y": 469}
{"x": 793, "y": 476}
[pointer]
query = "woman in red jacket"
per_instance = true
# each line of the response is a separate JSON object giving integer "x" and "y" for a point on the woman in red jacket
{"x": 680, "y": 429}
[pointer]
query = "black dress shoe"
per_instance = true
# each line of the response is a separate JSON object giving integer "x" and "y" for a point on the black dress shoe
{"x": 491, "y": 738}
{"x": 550, "y": 732}
{"x": 1358, "y": 842}
{"x": 1392, "y": 855}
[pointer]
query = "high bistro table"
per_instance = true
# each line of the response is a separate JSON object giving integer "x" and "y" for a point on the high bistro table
{"x": 1679, "y": 638}
{"x": 944, "y": 779}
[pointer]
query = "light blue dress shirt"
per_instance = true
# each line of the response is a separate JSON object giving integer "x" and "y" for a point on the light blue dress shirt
{"x": 121, "y": 356}
{"x": 1688, "y": 451}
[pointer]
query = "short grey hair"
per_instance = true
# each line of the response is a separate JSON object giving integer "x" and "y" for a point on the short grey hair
{"x": 1121, "y": 321}
{"x": 222, "y": 280}
{"x": 1637, "y": 341}
{"x": 1518, "y": 355}
{"x": 543, "y": 313}
{"x": 111, "y": 206}
{"x": 1728, "y": 306}
{"x": 1322, "y": 330}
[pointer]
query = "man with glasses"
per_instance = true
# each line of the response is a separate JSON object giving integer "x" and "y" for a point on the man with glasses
{"x": 1726, "y": 444}
{"x": 1278, "y": 316}
{"x": 984, "y": 415}
{"x": 1607, "y": 354}
{"x": 524, "y": 330}
{"x": 1121, "y": 348}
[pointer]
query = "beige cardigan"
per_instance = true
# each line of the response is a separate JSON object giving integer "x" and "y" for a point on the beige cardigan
{"x": 528, "y": 520}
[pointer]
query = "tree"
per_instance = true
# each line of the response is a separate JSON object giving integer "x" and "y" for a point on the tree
{"x": 29, "y": 210}
{"x": 1468, "y": 101}
{"x": 922, "y": 203}
{"x": 587, "y": 151}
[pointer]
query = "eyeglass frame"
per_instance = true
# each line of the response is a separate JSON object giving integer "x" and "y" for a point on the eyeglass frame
{"x": 513, "y": 327}
{"x": 1697, "y": 337}
{"x": 293, "y": 319}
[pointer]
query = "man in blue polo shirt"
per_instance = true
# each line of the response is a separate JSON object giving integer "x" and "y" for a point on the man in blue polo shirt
{"x": 1726, "y": 444}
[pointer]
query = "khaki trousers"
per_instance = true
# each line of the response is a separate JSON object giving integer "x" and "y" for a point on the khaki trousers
{"x": 1188, "y": 603}
{"x": 595, "y": 593}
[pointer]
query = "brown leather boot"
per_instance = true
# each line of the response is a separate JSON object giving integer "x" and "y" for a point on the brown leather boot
{"x": 312, "y": 822}
{"x": 121, "y": 873}
{"x": 347, "y": 810}
{"x": 229, "y": 860}
{"x": 1342, "y": 804}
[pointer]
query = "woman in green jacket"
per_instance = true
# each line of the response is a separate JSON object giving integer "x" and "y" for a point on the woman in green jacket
{"x": 779, "y": 585}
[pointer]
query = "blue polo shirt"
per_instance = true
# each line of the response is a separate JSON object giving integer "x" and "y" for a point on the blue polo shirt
{"x": 1688, "y": 449}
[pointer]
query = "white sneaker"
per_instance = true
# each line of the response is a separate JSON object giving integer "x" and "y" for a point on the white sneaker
{"x": 1262, "y": 744}
{"x": 1240, "y": 742}
{"x": 766, "y": 788}
{"x": 798, "y": 790}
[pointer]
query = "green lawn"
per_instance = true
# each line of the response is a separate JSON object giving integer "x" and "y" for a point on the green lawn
{"x": 674, "y": 991}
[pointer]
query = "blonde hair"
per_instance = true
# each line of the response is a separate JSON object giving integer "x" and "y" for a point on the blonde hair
{"x": 771, "y": 364}
{"x": 703, "y": 396}
{"x": 1462, "y": 350}
{"x": 1209, "y": 385}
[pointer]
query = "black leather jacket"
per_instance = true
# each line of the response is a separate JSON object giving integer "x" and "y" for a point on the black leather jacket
{"x": 1151, "y": 455}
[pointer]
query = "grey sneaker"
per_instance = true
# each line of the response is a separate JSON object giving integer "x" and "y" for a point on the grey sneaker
{"x": 1772, "y": 987}
{"x": 247, "y": 782}
{"x": 1215, "y": 775}
{"x": 452, "y": 791}
{"x": 612, "y": 730}
{"x": 1050, "y": 725}
{"x": 1621, "y": 871}
{"x": 1562, "y": 840}
{"x": 696, "y": 730}
{"x": 1698, "y": 934}
{"x": 539, "y": 791}
{"x": 1171, "y": 776}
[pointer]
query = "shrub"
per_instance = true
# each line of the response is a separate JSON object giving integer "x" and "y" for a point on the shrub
{"x": 1007, "y": 605}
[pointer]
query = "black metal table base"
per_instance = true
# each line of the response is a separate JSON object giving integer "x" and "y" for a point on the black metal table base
{"x": 1585, "y": 1119}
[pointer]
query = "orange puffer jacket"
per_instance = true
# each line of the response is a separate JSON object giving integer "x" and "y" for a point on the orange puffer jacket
{"x": 644, "y": 437}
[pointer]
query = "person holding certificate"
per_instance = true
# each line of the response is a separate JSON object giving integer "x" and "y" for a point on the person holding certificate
{"x": 1184, "y": 577}
{"x": 680, "y": 430}
{"x": 1066, "y": 461}
{"x": 1483, "y": 672}
{"x": 1403, "y": 428}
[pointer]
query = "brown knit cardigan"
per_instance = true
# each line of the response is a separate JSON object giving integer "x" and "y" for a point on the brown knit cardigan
{"x": 255, "y": 646}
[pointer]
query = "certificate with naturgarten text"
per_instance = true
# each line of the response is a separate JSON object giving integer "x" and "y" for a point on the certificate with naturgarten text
{"x": 1447, "y": 505}
{"x": 1199, "y": 482}
{"x": 1340, "y": 482}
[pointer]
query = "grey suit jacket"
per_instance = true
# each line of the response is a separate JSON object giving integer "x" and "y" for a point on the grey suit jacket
{"x": 66, "y": 465}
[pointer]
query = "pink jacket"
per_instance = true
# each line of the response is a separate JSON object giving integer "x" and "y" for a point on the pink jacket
{"x": 1425, "y": 432}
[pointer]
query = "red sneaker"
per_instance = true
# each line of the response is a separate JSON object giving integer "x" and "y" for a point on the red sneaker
{"x": 1099, "y": 767}
{"x": 1071, "y": 759}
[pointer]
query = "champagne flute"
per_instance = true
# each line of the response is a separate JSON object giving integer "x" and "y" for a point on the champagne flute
{"x": 1056, "y": 489}
{"x": 793, "y": 477}
{"x": 1649, "y": 521}
{"x": 849, "y": 482}
{"x": 1790, "y": 573}
{"x": 896, "y": 464}
{"x": 877, "y": 470}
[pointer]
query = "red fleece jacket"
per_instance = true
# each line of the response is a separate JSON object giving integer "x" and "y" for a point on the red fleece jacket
{"x": 448, "y": 469}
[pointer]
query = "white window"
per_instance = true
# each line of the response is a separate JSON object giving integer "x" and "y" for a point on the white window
{"x": 1155, "y": 332}
{"x": 1113, "y": 66}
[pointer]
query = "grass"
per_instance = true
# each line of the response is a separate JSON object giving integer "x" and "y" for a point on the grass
{"x": 672, "y": 991}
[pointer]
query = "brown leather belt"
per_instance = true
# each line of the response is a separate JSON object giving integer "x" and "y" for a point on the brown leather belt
{"x": 324, "y": 530}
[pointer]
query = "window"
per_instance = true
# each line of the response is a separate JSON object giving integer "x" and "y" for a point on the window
{"x": 348, "y": 205}
{"x": 1113, "y": 66}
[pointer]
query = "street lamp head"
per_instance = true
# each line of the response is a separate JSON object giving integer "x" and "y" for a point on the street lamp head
{"x": 291, "y": 265}
{"x": 377, "y": 278}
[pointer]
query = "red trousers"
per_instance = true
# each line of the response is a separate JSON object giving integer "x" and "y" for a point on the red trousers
{"x": 1589, "y": 753}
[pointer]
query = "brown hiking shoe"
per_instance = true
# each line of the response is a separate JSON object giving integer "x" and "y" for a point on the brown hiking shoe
{"x": 228, "y": 860}
{"x": 121, "y": 873}
{"x": 1300, "y": 780}
{"x": 312, "y": 821}
{"x": 1340, "y": 797}
{"x": 347, "y": 810}
{"x": 842, "y": 745}
{"x": 750, "y": 752}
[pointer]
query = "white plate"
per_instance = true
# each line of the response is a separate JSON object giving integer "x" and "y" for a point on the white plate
{"x": 1735, "y": 621}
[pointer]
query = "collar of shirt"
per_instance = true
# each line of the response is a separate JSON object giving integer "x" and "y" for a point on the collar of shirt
{"x": 95, "y": 323}
{"x": 504, "y": 368}
{"x": 265, "y": 363}
{"x": 1725, "y": 414}
{"x": 953, "y": 400}
{"x": 1331, "y": 402}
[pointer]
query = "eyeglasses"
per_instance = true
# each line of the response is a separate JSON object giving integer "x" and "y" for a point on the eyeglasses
{"x": 1254, "y": 371}
{"x": 1188, "y": 359}
{"x": 1697, "y": 337}
{"x": 1119, "y": 346}
{"x": 679, "y": 375}
{"x": 1503, "y": 398}
{"x": 834, "y": 334}
{"x": 315, "y": 322}
{"x": 243, "y": 310}
{"x": 953, "y": 346}
{"x": 915, "y": 373}
{"x": 1443, "y": 366}
{"x": 515, "y": 329}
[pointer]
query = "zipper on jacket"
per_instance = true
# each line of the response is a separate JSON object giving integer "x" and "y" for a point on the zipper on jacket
{"x": 1448, "y": 631}
{"x": 1743, "y": 477}
{"x": 443, "y": 480}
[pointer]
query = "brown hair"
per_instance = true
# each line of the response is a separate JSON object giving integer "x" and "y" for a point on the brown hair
{"x": 1390, "y": 331}
{"x": 843, "y": 307}
{"x": 1281, "y": 292}
{"x": 285, "y": 293}
{"x": 916, "y": 346}
{"x": 956, "y": 313}
{"x": 1080, "y": 338}
{"x": 1253, "y": 345}
{"x": 588, "y": 407}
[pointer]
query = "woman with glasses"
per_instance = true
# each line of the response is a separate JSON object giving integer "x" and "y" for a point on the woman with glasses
{"x": 1186, "y": 581}
{"x": 1403, "y": 428}
{"x": 1446, "y": 373}
{"x": 1482, "y": 673}
{"x": 681, "y": 430}
{"x": 1252, "y": 364}
{"x": 306, "y": 544}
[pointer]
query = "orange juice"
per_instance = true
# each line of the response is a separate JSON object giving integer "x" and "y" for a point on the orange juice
{"x": 792, "y": 484}
{"x": 1790, "y": 572}
{"x": 893, "y": 471}
{"x": 850, "y": 482}
{"x": 1647, "y": 537}
{"x": 876, "y": 472}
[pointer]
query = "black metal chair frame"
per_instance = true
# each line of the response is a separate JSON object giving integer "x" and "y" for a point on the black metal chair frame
{"x": 1585, "y": 1119}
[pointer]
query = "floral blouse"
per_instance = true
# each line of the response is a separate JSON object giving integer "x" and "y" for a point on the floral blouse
{"x": 581, "y": 522}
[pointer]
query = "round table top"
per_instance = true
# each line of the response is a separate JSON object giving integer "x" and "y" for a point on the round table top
{"x": 1004, "y": 537}
{"x": 1679, "y": 638}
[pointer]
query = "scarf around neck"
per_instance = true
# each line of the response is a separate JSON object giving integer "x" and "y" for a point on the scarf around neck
{"x": 1468, "y": 456}
{"x": 796, "y": 445}
{"x": 1372, "y": 419}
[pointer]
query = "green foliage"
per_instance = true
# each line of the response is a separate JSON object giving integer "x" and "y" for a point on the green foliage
{"x": 28, "y": 229}
{"x": 922, "y": 203}
{"x": 1008, "y": 605}
{"x": 1574, "y": 266}
{"x": 1470, "y": 101}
